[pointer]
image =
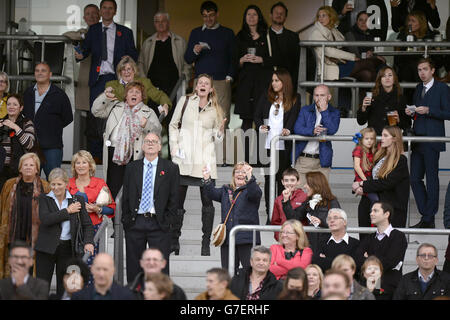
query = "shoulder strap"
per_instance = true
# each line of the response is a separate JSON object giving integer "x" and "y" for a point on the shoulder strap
{"x": 232, "y": 205}
{"x": 186, "y": 100}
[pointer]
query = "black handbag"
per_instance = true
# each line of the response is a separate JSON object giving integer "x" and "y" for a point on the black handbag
{"x": 79, "y": 239}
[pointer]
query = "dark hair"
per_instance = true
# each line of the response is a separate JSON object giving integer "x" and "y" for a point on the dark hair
{"x": 84, "y": 269}
{"x": 45, "y": 63}
{"x": 20, "y": 244}
{"x": 262, "y": 24}
{"x": 318, "y": 183}
{"x": 113, "y": 2}
{"x": 297, "y": 274}
{"x": 18, "y": 97}
{"x": 426, "y": 60}
{"x": 387, "y": 207}
{"x": 360, "y": 13}
{"x": 91, "y": 5}
{"x": 279, "y": 4}
{"x": 330, "y": 272}
{"x": 377, "y": 89}
{"x": 291, "y": 172}
{"x": 208, "y": 6}
{"x": 222, "y": 274}
{"x": 289, "y": 94}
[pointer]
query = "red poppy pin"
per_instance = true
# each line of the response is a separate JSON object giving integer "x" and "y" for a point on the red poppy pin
{"x": 162, "y": 173}
{"x": 12, "y": 133}
{"x": 98, "y": 69}
{"x": 381, "y": 290}
{"x": 119, "y": 34}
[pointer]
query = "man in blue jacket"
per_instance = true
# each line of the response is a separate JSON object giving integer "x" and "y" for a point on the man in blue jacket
{"x": 432, "y": 101}
{"x": 319, "y": 118}
{"x": 107, "y": 42}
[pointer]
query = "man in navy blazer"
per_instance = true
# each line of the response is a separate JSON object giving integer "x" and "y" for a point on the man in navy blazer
{"x": 149, "y": 218}
{"x": 105, "y": 56}
{"x": 104, "y": 287}
{"x": 315, "y": 119}
{"x": 432, "y": 101}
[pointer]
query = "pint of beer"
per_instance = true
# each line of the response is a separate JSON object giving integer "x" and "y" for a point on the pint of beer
{"x": 392, "y": 118}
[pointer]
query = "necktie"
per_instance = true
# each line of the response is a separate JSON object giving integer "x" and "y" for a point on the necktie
{"x": 147, "y": 189}
{"x": 411, "y": 4}
{"x": 424, "y": 90}
{"x": 105, "y": 45}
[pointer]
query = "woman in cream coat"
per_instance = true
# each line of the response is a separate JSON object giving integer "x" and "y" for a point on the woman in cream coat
{"x": 128, "y": 122}
{"x": 192, "y": 148}
{"x": 339, "y": 63}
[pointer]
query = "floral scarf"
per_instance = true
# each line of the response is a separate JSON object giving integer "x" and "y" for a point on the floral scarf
{"x": 129, "y": 129}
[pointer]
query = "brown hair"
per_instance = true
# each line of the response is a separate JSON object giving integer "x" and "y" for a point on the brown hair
{"x": 162, "y": 283}
{"x": 332, "y": 14}
{"x": 423, "y": 28}
{"x": 135, "y": 84}
{"x": 377, "y": 89}
{"x": 365, "y": 163}
{"x": 318, "y": 183}
{"x": 289, "y": 96}
{"x": 393, "y": 156}
{"x": 291, "y": 172}
{"x": 297, "y": 274}
{"x": 332, "y": 271}
{"x": 367, "y": 262}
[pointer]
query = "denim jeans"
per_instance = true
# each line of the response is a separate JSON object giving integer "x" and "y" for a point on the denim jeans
{"x": 53, "y": 159}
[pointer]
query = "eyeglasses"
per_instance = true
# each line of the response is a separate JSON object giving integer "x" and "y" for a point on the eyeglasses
{"x": 3, "y": 81}
{"x": 277, "y": 109}
{"x": 151, "y": 142}
{"x": 19, "y": 257}
{"x": 427, "y": 256}
{"x": 334, "y": 218}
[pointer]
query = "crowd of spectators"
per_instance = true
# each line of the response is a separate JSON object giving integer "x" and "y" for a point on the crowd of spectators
{"x": 47, "y": 225}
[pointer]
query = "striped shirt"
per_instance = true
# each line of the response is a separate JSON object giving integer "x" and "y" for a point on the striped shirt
{"x": 26, "y": 138}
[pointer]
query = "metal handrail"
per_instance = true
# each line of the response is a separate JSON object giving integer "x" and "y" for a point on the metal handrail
{"x": 254, "y": 228}
{"x": 35, "y": 37}
{"x": 118, "y": 240}
{"x": 293, "y": 138}
{"x": 97, "y": 236}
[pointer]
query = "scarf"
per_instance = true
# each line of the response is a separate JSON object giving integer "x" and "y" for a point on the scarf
{"x": 13, "y": 214}
{"x": 129, "y": 129}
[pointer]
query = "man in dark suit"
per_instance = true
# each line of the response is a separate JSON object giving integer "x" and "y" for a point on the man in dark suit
{"x": 107, "y": 42}
{"x": 104, "y": 287}
{"x": 432, "y": 101}
{"x": 21, "y": 285}
{"x": 150, "y": 203}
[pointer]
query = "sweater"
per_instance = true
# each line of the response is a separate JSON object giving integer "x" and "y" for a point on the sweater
{"x": 390, "y": 250}
{"x": 217, "y": 61}
{"x": 280, "y": 266}
{"x": 332, "y": 249}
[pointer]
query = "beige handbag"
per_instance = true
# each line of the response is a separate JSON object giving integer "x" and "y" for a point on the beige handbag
{"x": 104, "y": 197}
{"x": 220, "y": 232}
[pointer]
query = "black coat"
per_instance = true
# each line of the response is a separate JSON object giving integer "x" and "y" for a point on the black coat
{"x": 270, "y": 290}
{"x": 54, "y": 114}
{"x": 320, "y": 212}
{"x": 356, "y": 34}
{"x": 50, "y": 228}
{"x": 400, "y": 12}
{"x": 165, "y": 195}
{"x": 376, "y": 114}
{"x": 253, "y": 78}
{"x": 394, "y": 188}
{"x": 345, "y": 22}
{"x": 117, "y": 293}
{"x": 286, "y": 52}
{"x": 409, "y": 287}
{"x": 331, "y": 250}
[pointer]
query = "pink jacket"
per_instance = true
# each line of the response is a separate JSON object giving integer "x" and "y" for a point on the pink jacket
{"x": 279, "y": 266}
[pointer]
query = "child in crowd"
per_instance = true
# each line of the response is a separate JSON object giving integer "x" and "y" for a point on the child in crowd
{"x": 363, "y": 157}
{"x": 290, "y": 181}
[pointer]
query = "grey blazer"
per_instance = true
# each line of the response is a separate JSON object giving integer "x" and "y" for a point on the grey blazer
{"x": 34, "y": 289}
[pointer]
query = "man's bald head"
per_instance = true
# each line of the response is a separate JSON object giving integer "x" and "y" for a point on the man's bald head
{"x": 103, "y": 270}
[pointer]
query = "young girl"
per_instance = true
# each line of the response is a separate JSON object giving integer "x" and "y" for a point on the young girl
{"x": 363, "y": 157}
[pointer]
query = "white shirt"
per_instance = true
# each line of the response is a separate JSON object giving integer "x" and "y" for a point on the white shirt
{"x": 386, "y": 232}
{"x": 108, "y": 65}
{"x": 65, "y": 225}
{"x": 154, "y": 165}
{"x": 312, "y": 147}
{"x": 428, "y": 85}
{"x": 344, "y": 238}
{"x": 277, "y": 32}
{"x": 276, "y": 126}
{"x": 423, "y": 279}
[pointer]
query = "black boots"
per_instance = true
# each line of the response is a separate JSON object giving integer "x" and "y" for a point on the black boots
{"x": 207, "y": 226}
{"x": 177, "y": 225}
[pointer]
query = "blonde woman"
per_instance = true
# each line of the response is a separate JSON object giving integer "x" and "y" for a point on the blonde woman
{"x": 293, "y": 250}
{"x": 390, "y": 177}
{"x": 197, "y": 124}
{"x": 4, "y": 89}
{"x": 244, "y": 194}
{"x": 338, "y": 63}
{"x": 315, "y": 278}
{"x": 128, "y": 122}
{"x": 84, "y": 183}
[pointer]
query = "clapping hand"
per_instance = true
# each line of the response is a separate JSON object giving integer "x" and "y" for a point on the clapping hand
{"x": 248, "y": 169}
{"x": 74, "y": 207}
